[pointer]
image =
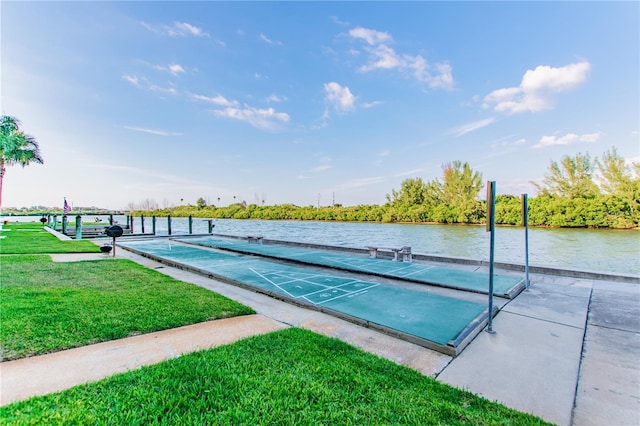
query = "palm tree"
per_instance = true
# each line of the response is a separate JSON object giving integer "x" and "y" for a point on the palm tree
{"x": 16, "y": 147}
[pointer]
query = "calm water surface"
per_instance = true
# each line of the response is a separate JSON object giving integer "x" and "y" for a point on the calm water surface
{"x": 588, "y": 249}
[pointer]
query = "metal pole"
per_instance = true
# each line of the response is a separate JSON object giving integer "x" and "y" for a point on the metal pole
{"x": 142, "y": 222}
{"x": 525, "y": 221}
{"x": 190, "y": 224}
{"x": 153, "y": 224}
{"x": 78, "y": 227}
{"x": 169, "y": 224}
{"x": 491, "y": 226}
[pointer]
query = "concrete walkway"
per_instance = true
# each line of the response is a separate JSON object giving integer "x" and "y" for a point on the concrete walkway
{"x": 566, "y": 350}
{"x": 57, "y": 371}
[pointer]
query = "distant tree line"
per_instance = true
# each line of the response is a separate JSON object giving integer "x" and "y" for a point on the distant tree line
{"x": 576, "y": 192}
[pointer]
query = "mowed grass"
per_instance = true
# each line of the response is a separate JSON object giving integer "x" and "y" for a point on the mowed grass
{"x": 48, "y": 306}
{"x": 290, "y": 377}
{"x": 29, "y": 238}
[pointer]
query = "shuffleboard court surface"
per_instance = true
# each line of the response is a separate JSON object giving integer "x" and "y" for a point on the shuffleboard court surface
{"x": 438, "y": 322}
{"x": 503, "y": 286}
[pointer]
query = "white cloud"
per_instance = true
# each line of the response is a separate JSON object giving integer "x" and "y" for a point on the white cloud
{"x": 160, "y": 89}
{"x": 269, "y": 41}
{"x": 568, "y": 139}
{"x": 132, "y": 79}
{"x": 217, "y": 100}
{"x": 537, "y": 88}
{"x": 370, "y": 36}
{"x": 185, "y": 27}
{"x": 143, "y": 83}
{"x": 275, "y": 98}
{"x": 153, "y": 131}
{"x": 470, "y": 127}
{"x": 371, "y": 104}
{"x": 177, "y": 29}
{"x": 264, "y": 119}
{"x": 174, "y": 69}
{"x": 382, "y": 56}
{"x": 340, "y": 97}
{"x": 337, "y": 20}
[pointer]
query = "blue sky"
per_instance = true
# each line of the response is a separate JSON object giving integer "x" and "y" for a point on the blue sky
{"x": 309, "y": 102}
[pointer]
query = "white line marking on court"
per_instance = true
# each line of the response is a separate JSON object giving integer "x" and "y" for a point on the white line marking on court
{"x": 304, "y": 278}
{"x": 271, "y": 282}
{"x": 328, "y": 288}
{"x": 353, "y": 293}
{"x": 352, "y": 265}
{"x": 418, "y": 270}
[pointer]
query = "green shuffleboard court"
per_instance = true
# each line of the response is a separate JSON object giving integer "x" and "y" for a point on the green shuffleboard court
{"x": 503, "y": 286}
{"x": 438, "y": 322}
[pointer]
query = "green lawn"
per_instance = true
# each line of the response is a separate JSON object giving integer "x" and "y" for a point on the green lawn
{"x": 48, "y": 306}
{"x": 28, "y": 238}
{"x": 290, "y": 377}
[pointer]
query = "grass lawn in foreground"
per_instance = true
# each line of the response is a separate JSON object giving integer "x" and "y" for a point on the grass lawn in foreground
{"x": 49, "y": 306}
{"x": 27, "y": 238}
{"x": 289, "y": 377}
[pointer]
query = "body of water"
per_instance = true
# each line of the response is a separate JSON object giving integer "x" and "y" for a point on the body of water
{"x": 605, "y": 250}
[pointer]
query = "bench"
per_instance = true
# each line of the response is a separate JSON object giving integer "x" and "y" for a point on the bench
{"x": 92, "y": 231}
{"x": 401, "y": 254}
{"x": 255, "y": 239}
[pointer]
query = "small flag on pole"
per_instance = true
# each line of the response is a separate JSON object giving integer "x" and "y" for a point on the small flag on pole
{"x": 67, "y": 207}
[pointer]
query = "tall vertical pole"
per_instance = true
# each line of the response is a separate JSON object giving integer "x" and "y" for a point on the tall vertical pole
{"x": 491, "y": 227}
{"x": 169, "y": 224}
{"x": 525, "y": 222}
{"x": 153, "y": 225}
{"x": 78, "y": 227}
{"x": 142, "y": 223}
{"x": 190, "y": 224}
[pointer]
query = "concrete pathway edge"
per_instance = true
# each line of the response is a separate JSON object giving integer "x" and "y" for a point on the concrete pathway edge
{"x": 40, "y": 375}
